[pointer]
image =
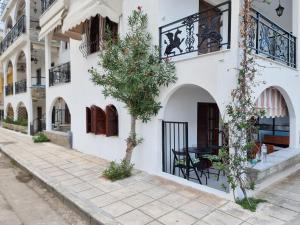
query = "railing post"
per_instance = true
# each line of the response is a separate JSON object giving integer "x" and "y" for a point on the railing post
{"x": 160, "y": 43}
{"x": 257, "y": 33}
{"x": 229, "y": 25}
{"x": 288, "y": 49}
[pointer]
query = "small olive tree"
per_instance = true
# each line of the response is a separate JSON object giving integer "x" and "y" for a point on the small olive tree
{"x": 133, "y": 74}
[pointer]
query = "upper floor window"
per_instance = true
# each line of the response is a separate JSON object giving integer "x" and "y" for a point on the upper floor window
{"x": 94, "y": 32}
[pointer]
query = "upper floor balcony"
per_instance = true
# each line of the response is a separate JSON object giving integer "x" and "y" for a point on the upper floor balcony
{"x": 17, "y": 30}
{"x": 21, "y": 86}
{"x": 209, "y": 30}
{"x": 9, "y": 89}
{"x": 60, "y": 74}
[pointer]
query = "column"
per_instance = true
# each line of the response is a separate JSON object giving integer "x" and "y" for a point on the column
{"x": 47, "y": 67}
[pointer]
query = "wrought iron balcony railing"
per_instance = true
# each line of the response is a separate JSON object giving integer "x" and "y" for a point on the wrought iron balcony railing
{"x": 270, "y": 40}
{"x": 46, "y": 4}
{"x": 60, "y": 74}
{"x": 21, "y": 86}
{"x": 38, "y": 82}
{"x": 200, "y": 33}
{"x": 13, "y": 34}
{"x": 9, "y": 89}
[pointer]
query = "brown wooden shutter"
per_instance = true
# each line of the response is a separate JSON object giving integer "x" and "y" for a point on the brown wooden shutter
{"x": 88, "y": 117}
{"x": 100, "y": 121}
{"x": 67, "y": 115}
{"x": 112, "y": 121}
{"x": 93, "y": 119}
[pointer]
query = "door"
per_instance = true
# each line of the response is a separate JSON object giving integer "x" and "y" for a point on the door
{"x": 39, "y": 118}
{"x": 38, "y": 77}
{"x": 209, "y": 28}
{"x": 208, "y": 124}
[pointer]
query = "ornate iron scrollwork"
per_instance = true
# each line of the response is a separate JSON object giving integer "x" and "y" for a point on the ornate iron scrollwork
{"x": 174, "y": 42}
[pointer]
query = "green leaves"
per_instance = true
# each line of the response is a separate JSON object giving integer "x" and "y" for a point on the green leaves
{"x": 132, "y": 71}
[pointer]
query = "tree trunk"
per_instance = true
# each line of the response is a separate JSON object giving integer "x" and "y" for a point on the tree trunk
{"x": 131, "y": 140}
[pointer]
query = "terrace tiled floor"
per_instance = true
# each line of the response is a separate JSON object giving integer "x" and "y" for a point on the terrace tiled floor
{"x": 142, "y": 198}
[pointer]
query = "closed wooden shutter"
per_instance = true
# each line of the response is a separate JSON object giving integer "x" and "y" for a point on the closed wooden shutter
{"x": 98, "y": 120}
{"x": 112, "y": 121}
{"x": 88, "y": 117}
{"x": 67, "y": 115}
{"x": 53, "y": 115}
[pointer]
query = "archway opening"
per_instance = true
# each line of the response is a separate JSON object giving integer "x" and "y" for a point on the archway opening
{"x": 61, "y": 116}
{"x": 9, "y": 113}
{"x": 191, "y": 130}
{"x": 22, "y": 114}
{"x": 274, "y": 125}
{"x": 21, "y": 84}
{"x": 9, "y": 88}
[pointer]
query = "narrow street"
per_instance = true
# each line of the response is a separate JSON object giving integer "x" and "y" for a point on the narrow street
{"x": 24, "y": 202}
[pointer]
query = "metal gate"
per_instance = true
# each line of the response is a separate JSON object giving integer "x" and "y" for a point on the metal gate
{"x": 174, "y": 136}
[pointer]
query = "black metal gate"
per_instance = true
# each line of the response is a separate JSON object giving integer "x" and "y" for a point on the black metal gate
{"x": 174, "y": 137}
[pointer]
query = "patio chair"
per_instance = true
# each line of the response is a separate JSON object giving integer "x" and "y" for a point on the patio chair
{"x": 185, "y": 163}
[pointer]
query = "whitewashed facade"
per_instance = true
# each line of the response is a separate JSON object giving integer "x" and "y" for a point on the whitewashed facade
{"x": 204, "y": 76}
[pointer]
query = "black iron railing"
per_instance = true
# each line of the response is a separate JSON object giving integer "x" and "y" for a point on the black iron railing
{"x": 89, "y": 47}
{"x": 270, "y": 40}
{"x": 38, "y": 82}
{"x": 203, "y": 32}
{"x": 46, "y": 4}
{"x": 9, "y": 89}
{"x": 13, "y": 34}
{"x": 174, "y": 137}
{"x": 21, "y": 86}
{"x": 60, "y": 74}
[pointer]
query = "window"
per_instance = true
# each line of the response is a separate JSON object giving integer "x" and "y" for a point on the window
{"x": 98, "y": 120}
{"x": 88, "y": 120}
{"x": 112, "y": 123}
{"x": 94, "y": 33}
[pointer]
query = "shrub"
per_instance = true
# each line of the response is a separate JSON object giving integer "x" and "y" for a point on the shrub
{"x": 253, "y": 203}
{"x": 20, "y": 122}
{"x": 117, "y": 171}
{"x": 40, "y": 137}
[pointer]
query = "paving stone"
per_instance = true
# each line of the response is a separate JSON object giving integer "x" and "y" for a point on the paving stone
{"x": 156, "y": 209}
{"x": 157, "y": 192}
{"x": 177, "y": 218}
{"x": 211, "y": 200}
{"x": 236, "y": 210}
{"x": 103, "y": 200}
{"x": 138, "y": 200}
{"x": 264, "y": 220}
{"x": 174, "y": 200}
{"x": 154, "y": 223}
{"x": 219, "y": 218}
{"x": 90, "y": 193}
{"x": 134, "y": 217}
{"x": 196, "y": 209}
{"x": 277, "y": 212}
{"x": 117, "y": 209}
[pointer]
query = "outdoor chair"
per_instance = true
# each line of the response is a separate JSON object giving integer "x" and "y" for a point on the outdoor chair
{"x": 186, "y": 164}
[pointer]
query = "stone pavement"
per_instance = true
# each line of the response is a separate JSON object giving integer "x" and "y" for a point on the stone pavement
{"x": 140, "y": 199}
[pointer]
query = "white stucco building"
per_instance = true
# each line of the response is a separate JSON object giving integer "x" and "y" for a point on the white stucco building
{"x": 52, "y": 58}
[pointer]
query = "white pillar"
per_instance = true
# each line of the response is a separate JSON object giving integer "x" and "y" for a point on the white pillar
{"x": 28, "y": 90}
{"x": 47, "y": 67}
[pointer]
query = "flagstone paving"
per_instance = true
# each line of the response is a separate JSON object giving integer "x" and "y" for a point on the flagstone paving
{"x": 142, "y": 198}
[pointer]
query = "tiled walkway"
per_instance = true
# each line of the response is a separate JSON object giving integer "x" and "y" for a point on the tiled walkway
{"x": 138, "y": 200}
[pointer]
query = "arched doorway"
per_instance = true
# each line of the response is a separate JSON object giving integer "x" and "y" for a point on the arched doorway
{"x": 191, "y": 128}
{"x": 9, "y": 112}
{"x": 9, "y": 88}
{"x": 274, "y": 125}
{"x": 60, "y": 116}
{"x": 21, "y": 84}
{"x": 22, "y": 114}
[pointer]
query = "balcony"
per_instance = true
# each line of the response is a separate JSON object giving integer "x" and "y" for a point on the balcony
{"x": 13, "y": 34}
{"x": 38, "y": 91}
{"x": 9, "y": 89}
{"x": 270, "y": 40}
{"x": 46, "y": 4}
{"x": 200, "y": 33}
{"x": 21, "y": 86}
{"x": 60, "y": 74}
